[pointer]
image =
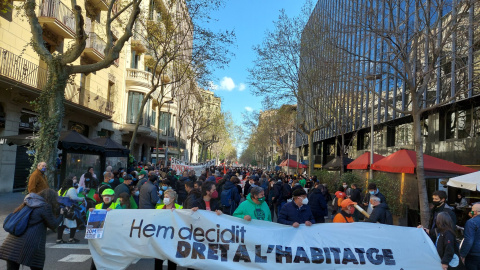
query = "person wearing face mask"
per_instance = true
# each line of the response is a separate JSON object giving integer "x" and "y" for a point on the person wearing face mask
{"x": 373, "y": 190}
{"x": 346, "y": 214}
{"x": 470, "y": 250}
{"x": 209, "y": 202}
{"x": 38, "y": 180}
{"x": 107, "y": 180}
{"x": 317, "y": 203}
{"x": 254, "y": 207}
{"x": 142, "y": 179}
{"x": 170, "y": 197}
{"x": 439, "y": 205}
{"x": 297, "y": 211}
{"x": 88, "y": 180}
{"x": 107, "y": 200}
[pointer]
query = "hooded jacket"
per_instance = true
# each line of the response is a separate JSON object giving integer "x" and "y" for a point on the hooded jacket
{"x": 256, "y": 211}
{"x": 29, "y": 249}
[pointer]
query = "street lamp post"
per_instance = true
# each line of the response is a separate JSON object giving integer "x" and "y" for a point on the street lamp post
{"x": 168, "y": 132}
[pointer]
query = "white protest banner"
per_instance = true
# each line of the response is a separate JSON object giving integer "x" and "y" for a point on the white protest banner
{"x": 203, "y": 240}
{"x": 180, "y": 166}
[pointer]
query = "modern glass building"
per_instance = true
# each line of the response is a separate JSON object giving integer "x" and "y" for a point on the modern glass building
{"x": 399, "y": 59}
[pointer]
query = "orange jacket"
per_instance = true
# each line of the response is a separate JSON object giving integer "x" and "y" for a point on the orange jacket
{"x": 37, "y": 182}
{"x": 339, "y": 218}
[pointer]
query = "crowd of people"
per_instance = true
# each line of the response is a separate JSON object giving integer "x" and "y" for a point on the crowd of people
{"x": 240, "y": 192}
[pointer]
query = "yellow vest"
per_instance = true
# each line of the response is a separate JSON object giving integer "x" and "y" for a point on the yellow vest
{"x": 160, "y": 206}
{"x": 100, "y": 205}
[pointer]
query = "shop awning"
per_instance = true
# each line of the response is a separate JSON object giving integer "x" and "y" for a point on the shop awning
{"x": 112, "y": 148}
{"x": 469, "y": 181}
{"x": 405, "y": 161}
{"x": 363, "y": 161}
{"x": 335, "y": 164}
{"x": 291, "y": 164}
{"x": 69, "y": 139}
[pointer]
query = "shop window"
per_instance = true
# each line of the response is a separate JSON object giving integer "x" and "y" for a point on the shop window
{"x": 390, "y": 136}
{"x": 464, "y": 123}
{"x": 133, "y": 106}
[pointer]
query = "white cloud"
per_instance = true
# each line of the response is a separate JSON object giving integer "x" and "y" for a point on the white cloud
{"x": 248, "y": 109}
{"x": 212, "y": 86}
{"x": 241, "y": 87}
{"x": 227, "y": 84}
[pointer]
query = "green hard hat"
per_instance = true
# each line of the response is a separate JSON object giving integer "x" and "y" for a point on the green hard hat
{"x": 108, "y": 192}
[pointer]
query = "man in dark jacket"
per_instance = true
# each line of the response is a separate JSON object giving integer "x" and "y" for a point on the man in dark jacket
{"x": 194, "y": 196}
{"x": 470, "y": 251}
{"x": 317, "y": 203}
{"x": 123, "y": 187}
{"x": 149, "y": 194}
{"x": 373, "y": 190}
{"x": 277, "y": 197}
{"x": 439, "y": 205}
{"x": 297, "y": 211}
{"x": 180, "y": 189}
{"x": 356, "y": 196}
{"x": 381, "y": 212}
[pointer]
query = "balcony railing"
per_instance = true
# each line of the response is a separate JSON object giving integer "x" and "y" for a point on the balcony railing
{"x": 95, "y": 47}
{"x": 23, "y": 71}
{"x": 63, "y": 22}
{"x": 93, "y": 101}
{"x": 144, "y": 77}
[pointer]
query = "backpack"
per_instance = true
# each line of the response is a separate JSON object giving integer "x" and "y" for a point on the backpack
{"x": 226, "y": 197}
{"x": 17, "y": 223}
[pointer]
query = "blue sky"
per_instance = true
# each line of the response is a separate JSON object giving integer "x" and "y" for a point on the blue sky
{"x": 249, "y": 19}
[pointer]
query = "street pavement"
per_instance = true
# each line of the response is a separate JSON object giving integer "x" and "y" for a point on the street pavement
{"x": 61, "y": 256}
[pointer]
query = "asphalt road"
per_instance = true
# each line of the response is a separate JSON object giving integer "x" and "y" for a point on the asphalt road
{"x": 61, "y": 256}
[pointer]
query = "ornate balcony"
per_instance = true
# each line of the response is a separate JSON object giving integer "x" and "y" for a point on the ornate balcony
{"x": 99, "y": 4}
{"x": 58, "y": 18}
{"x": 23, "y": 71}
{"x": 95, "y": 47}
{"x": 139, "y": 79}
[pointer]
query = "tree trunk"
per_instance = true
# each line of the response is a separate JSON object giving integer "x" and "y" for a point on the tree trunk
{"x": 50, "y": 106}
{"x": 157, "y": 142}
{"x": 311, "y": 162}
{"x": 191, "y": 147}
{"x": 342, "y": 151}
{"x": 422, "y": 185}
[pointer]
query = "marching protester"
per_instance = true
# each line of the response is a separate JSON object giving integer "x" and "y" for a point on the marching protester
{"x": 107, "y": 203}
{"x": 317, "y": 203}
{"x": 38, "y": 181}
{"x": 470, "y": 251}
{"x": 149, "y": 194}
{"x": 445, "y": 242}
{"x": 123, "y": 187}
{"x": 29, "y": 248}
{"x": 209, "y": 201}
{"x": 254, "y": 207}
{"x": 373, "y": 190}
{"x": 169, "y": 203}
{"x": 381, "y": 213}
{"x": 229, "y": 197}
{"x": 297, "y": 211}
{"x": 194, "y": 196}
{"x": 69, "y": 189}
{"x": 439, "y": 205}
{"x": 107, "y": 180}
{"x": 346, "y": 213}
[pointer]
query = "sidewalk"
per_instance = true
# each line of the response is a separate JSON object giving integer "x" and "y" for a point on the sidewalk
{"x": 8, "y": 201}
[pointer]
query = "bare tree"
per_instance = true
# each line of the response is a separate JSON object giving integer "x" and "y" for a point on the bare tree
{"x": 50, "y": 103}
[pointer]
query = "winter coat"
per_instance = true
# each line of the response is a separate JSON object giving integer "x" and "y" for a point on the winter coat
{"x": 356, "y": 195}
{"x": 381, "y": 213}
{"x": 317, "y": 203}
{"x": 343, "y": 217}
{"x": 471, "y": 242}
{"x": 122, "y": 188}
{"x": 433, "y": 217}
{"x": 148, "y": 196}
{"x": 446, "y": 247}
{"x": 277, "y": 196}
{"x": 291, "y": 213}
{"x": 256, "y": 211}
{"x": 37, "y": 182}
{"x": 180, "y": 188}
{"x": 29, "y": 249}
{"x": 235, "y": 195}
{"x": 214, "y": 204}
{"x": 193, "y": 199}
{"x": 286, "y": 192}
